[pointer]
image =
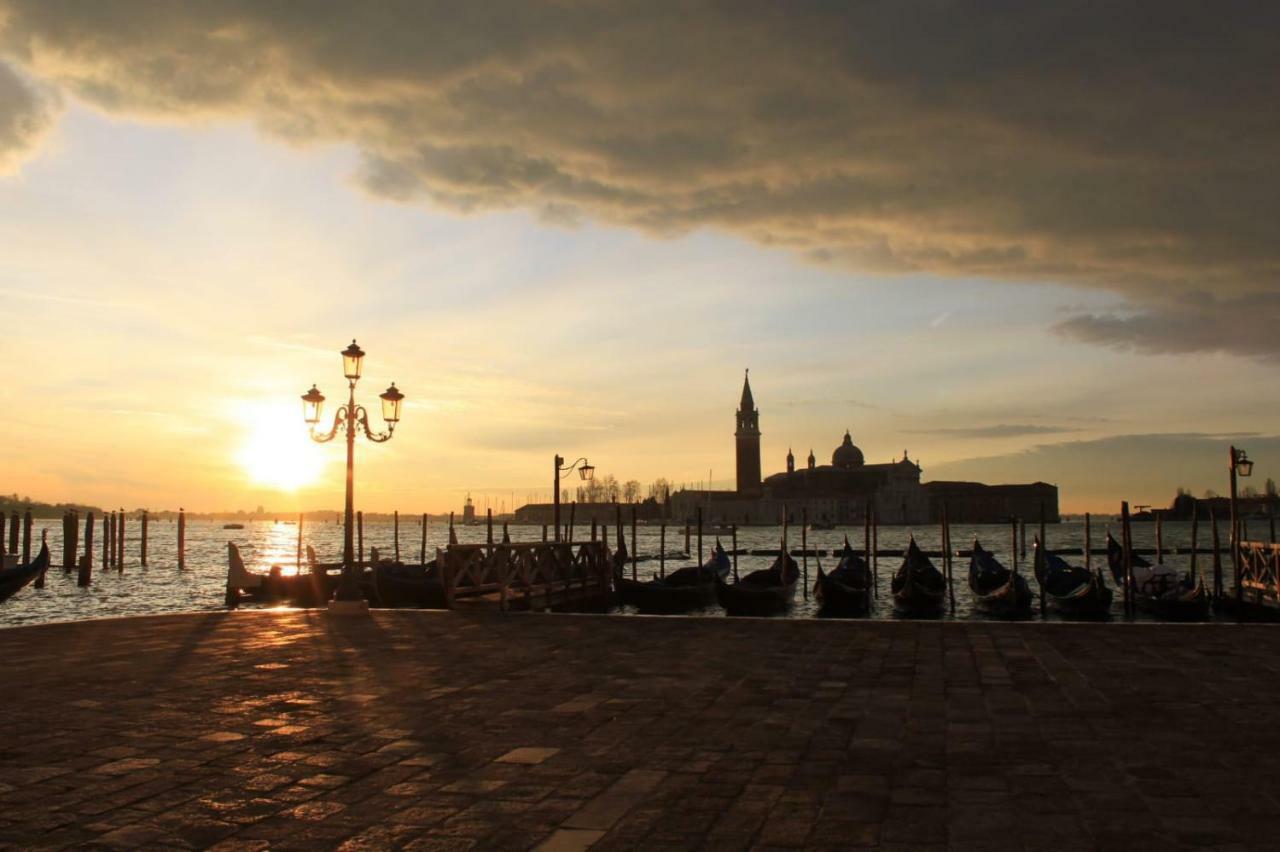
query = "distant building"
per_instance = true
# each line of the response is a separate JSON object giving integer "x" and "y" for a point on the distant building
{"x": 841, "y": 491}
{"x": 468, "y": 512}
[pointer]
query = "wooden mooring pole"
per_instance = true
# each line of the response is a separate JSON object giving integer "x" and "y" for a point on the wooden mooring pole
{"x": 804, "y": 550}
{"x": 68, "y": 542}
{"x": 1195, "y": 535}
{"x": 488, "y": 530}
{"x": 699, "y": 535}
{"x": 1013, "y": 543}
{"x": 26, "y": 537}
{"x": 662, "y": 550}
{"x": 359, "y": 539}
{"x": 422, "y": 550}
{"x": 946, "y": 558}
{"x": 13, "y": 532}
{"x": 142, "y": 550}
{"x": 573, "y": 511}
{"x": 1024, "y": 540}
{"x": 396, "y": 532}
{"x": 866, "y": 535}
{"x": 1043, "y": 556}
{"x": 182, "y": 538}
{"x": 106, "y": 541}
{"x": 298, "y": 555}
{"x": 3, "y": 538}
{"x": 85, "y": 575}
{"x": 875, "y": 550}
{"x": 735, "y": 553}
{"x": 635, "y": 552}
{"x": 120, "y": 542}
{"x": 686, "y": 534}
{"x": 1217, "y": 556}
{"x": 1127, "y": 541}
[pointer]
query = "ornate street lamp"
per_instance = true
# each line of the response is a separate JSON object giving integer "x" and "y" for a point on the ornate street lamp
{"x": 585, "y": 470}
{"x": 349, "y": 418}
{"x": 1239, "y": 464}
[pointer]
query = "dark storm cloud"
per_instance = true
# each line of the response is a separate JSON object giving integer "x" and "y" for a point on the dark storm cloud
{"x": 25, "y": 114}
{"x": 1127, "y": 146}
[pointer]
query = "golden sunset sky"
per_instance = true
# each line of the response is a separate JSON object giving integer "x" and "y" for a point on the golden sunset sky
{"x": 1037, "y": 244}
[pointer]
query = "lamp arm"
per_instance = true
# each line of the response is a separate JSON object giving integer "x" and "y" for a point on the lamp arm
{"x": 568, "y": 468}
{"x": 339, "y": 418}
{"x": 362, "y": 417}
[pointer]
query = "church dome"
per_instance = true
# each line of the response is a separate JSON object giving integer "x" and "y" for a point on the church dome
{"x": 847, "y": 455}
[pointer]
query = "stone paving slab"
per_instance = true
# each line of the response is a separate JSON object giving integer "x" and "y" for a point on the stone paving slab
{"x": 443, "y": 731}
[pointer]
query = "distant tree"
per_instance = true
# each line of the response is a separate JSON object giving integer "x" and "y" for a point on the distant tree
{"x": 1271, "y": 487}
{"x": 660, "y": 490}
{"x": 1249, "y": 491}
{"x": 1210, "y": 494}
{"x": 631, "y": 491}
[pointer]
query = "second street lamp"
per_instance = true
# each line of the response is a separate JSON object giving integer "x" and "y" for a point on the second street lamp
{"x": 585, "y": 470}
{"x": 349, "y": 418}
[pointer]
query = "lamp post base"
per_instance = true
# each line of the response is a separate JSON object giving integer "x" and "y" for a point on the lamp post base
{"x": 356, "y": 607}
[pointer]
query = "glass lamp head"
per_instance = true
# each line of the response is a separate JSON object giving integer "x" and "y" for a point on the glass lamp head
{"x": 352, "y": 361}
{"x": 391, "y": 401}
{"x": 587, "y": 471}
{"x": 312, "y": 405}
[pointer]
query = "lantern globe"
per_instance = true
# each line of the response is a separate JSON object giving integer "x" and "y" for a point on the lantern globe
{"x": 352, "y": 361}
{"x": 391, "y": 402}
{"x": 312, "y": 405}
{"x": 1244, "y": 466}
{"x": 587, "y": 471}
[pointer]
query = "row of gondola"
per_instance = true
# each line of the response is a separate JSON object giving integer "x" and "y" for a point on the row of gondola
{"x": 918, "y": 588}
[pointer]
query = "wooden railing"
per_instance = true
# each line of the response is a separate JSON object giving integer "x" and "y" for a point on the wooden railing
{"x": 1260, "y": 569}
{"x": 533, "y": 574}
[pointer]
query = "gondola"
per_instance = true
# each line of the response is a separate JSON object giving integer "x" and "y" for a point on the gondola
{"x": 400, "y": 585}
{"x": 12, "y": 580}
{"x": 688, "y": 588}
{"x": 996, "y": 590}
{"x": 309, "y": 588}
{"x": 846, "y": 591}
{"x": 1159, "y": 590}
{"x": 918, "y": 588}
{"x": 762, "y": 592}
{"x": 1073, "y": 591}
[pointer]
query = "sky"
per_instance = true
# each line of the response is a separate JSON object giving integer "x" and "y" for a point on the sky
{"x": 1022, "y": 243}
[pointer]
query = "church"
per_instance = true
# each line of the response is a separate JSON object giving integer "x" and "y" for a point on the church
{"x": 840, "y": 492}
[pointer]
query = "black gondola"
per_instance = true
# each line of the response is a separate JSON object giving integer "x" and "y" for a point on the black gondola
{"x": 399, "y": 585}
{"x": 12, "y": 580}
{"x": 918, "y": 588}
{"x": 996, "y": 590}
{"x": 845, "y": 591}
{"x": 688, "y": 588}
{"x": 764, "y": 592}
{"x": 1160, "y": 591}
{"x": 307, "y": 588}
{"x": 1073, "y": 591}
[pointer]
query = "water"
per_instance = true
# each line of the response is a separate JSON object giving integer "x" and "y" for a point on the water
{"x": 162, "y": 588}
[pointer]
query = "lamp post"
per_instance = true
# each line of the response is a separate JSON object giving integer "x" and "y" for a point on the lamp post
{"x": 585, "y": 470}
{"x": 348, "y": 418}
{"x": 1239, "y": 465}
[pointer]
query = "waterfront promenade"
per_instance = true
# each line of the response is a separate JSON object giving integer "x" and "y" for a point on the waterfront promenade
{"x": 436, "y": 730}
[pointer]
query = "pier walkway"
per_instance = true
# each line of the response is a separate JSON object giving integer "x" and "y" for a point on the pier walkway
{"x": 443, "y": 731}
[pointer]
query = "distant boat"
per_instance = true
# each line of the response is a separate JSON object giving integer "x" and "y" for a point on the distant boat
{"x": 818, "y": 525}
{"x": 233, "y": 526}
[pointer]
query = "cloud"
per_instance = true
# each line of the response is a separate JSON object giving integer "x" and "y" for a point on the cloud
{"x": 1001, "y": 430}
{"x": 1142, "y": 468}
{"x": 1118, "y": 146}
{"x": 26, "y": 113}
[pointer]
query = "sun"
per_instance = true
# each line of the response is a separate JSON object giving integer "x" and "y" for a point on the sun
{"x": 277, "y": 453}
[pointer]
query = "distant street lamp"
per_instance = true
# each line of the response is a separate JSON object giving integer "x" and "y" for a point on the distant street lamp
{"x": 348, "y": 418}
{"x": 585, "y": 470}
{"x": 1239, "y": 465}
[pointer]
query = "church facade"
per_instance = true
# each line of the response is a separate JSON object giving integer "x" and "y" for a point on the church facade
{"x": 842, "y": 492}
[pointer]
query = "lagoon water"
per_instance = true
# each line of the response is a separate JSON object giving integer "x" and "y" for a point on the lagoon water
{"x": 161, "y": 587}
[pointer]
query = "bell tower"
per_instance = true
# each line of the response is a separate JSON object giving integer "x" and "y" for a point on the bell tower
{"x": 748, "y": 439}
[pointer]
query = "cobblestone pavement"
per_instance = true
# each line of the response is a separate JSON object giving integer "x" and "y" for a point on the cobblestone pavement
{"x": 427, "y": 730}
